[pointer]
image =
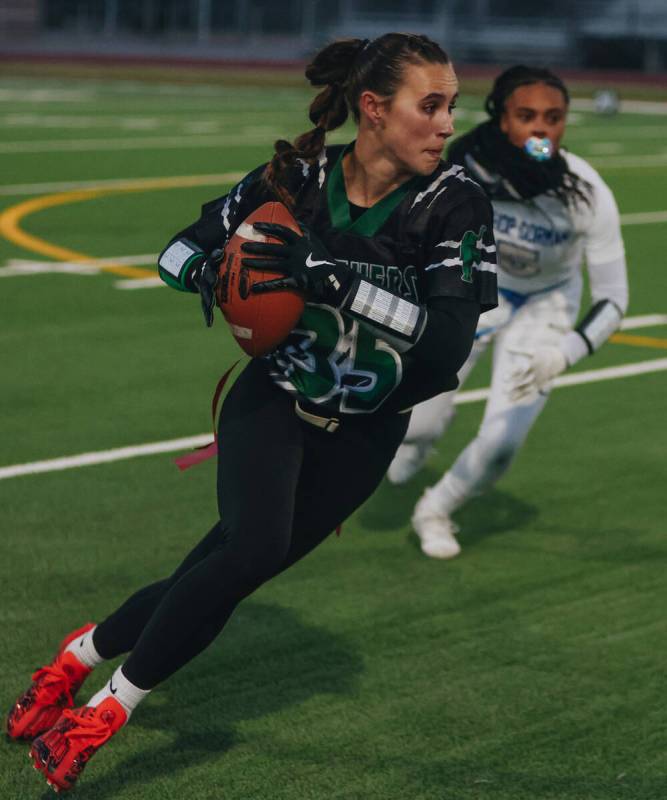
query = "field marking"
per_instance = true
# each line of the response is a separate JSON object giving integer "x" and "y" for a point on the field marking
{"x": 644, "y": 218}
{"x": 643, "y": 321}
{"x": 10, "y": 228}
{"x": 258, "y": 138}
{"x": 104, "y": 456}
{"x": 11, "y": 218}
{"x": 175, "y": 181}
{"x": 605, "y": 148}
{"x": 648, "y": 107}
{"x": 588, "y": 376}
{"x": 623, "y": 162}
{"x": 140, "y": 283}
{"x": 20, "y": 266}
{"x": 639, "y": 341}
{"x": 81, "y": 191}
{"x": 184, "y": 443}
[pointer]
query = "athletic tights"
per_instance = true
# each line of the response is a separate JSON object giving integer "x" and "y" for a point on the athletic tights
{"x": 283, "y": 486}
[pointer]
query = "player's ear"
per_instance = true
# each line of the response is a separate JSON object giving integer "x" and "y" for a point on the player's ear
{"x": 372, "y": 107}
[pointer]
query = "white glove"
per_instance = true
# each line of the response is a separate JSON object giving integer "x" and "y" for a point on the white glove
{"x": 540, "y": 367}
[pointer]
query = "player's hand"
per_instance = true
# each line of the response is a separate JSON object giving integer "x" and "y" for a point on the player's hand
{"x": 304, "y": 260}
{"x": 205, "y": 278}
{"x": 540, "y": 366}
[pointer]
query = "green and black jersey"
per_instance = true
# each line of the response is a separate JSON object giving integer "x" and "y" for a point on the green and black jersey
{"x": 429, "y": 242}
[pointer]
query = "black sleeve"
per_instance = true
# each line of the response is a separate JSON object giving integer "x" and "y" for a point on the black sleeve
{"x": 461, "y": 257}
{"x": 218, "y": 220}
{"x": 430, "y": 366}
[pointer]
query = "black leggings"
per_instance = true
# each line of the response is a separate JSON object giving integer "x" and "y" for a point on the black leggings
{"x": 283, "y": 486}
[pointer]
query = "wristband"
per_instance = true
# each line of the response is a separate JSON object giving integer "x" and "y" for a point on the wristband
{"x": 177, "y": 261}
{"x": 598, "y": 325}
{"x": 392, "y": 318}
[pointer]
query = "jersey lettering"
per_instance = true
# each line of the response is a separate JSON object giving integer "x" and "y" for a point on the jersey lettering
{"x": 394, "y": 279}
{"x": 329, "y": 357}
{"x": 529, "y": 231}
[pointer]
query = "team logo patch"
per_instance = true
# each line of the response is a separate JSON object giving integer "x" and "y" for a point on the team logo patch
{"x": 471, "y": 252}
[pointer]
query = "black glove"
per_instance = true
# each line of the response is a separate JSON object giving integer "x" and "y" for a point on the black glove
{"x": 205, "y": 278}
{"x": 304, "y": 261}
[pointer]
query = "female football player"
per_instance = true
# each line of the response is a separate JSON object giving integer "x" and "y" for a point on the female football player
{"x": 396, "y": 262}
{"x": 552, "y": 211}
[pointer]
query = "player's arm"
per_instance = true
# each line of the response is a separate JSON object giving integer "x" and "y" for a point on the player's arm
{"x": 459, "y": 284}
{"x": 182, "y": 263}
{"x": 607, "y": 271}
{"x": 608, "y": 278}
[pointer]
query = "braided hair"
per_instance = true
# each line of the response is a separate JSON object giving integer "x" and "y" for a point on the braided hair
{"x": 489, "y": 147}
{"x": 345, "y": 69}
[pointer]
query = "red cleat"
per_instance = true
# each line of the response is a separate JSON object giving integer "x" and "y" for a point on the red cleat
{"x": 52, "y": 690}
{"x": 61, "y": 753}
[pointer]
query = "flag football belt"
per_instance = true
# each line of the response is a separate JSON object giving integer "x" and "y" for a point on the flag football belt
{"x": 328, "y": 424}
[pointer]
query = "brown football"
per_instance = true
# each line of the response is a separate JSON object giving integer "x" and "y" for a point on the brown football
{"x": 259, "y": 322}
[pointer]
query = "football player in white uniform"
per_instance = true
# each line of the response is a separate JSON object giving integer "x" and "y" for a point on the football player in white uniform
{"x": 552, "y": 214}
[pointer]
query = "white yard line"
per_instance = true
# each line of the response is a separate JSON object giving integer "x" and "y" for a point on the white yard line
{"x": 139, "y": 143}
{"x": 140, "y": 283}
{"x": 188, "y": 442}
{"x": 19, "y": 266}
{"x": 649, "y": 107}
{"x": 104, "y": 456}
{"x": 623, "y": 162}
{"x": 253, "y": 136}
{"x": 609, "y": 131}
{"x": 643, "y": 321}
{"x": 644, "y": 218}
{"x": 589, "y": 376}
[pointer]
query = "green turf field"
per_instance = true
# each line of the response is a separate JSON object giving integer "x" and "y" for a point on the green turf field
{"x": 529, "y": 668}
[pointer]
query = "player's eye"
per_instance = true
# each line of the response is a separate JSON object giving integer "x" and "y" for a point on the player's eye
{"x": 452, "y": 106}
{"x": 430, "y": 108}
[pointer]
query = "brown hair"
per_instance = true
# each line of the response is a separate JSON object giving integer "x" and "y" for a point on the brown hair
{"x": 345, "y": 69}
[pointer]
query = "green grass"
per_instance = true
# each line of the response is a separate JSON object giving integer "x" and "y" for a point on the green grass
{"x": 530, "y": 668}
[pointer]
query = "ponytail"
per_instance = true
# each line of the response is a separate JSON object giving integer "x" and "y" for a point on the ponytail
{"x": 329, "y": 110}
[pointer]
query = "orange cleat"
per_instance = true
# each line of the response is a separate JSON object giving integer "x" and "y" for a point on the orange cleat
{"x": 52, "y": 690}
{"x": 61, "y": 753}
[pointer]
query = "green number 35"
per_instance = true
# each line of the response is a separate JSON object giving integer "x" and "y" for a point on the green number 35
{"x": 335, "y": 356}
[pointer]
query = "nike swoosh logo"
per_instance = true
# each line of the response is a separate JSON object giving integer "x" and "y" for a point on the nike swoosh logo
{"x": 311, "y": 263}
{"x": 111, "y": 689}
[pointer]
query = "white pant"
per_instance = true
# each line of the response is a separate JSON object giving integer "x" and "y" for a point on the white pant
{"x": 541, "y": 319}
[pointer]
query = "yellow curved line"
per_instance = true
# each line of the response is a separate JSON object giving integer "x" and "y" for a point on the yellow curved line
{"x": 11, "y": 217}
{"x": 10, "y": 228}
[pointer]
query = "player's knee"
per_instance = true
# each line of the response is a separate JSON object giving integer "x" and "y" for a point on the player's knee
{"x": 499, "y": 448}
{"x": 258, "y": 548}
{"x": 502, "y": 457}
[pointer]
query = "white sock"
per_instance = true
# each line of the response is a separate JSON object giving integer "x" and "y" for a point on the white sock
{"x": 126, "y": 693}
{"x": 84, "y": 649}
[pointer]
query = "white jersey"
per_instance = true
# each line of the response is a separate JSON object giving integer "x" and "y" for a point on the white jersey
{"x": 542, "y": 243}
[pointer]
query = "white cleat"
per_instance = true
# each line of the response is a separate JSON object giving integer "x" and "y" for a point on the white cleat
{"x": 409, "y": 459}
{"x": 435, "y": 529}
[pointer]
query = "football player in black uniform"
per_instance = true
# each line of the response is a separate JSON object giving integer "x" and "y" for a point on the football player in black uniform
{"x": 396, "y": 263}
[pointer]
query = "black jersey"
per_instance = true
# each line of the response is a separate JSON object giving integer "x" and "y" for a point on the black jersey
{"x": 432, "y": 237}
